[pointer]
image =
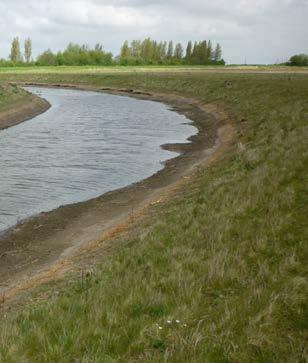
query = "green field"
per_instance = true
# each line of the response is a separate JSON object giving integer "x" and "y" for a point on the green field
{"x": 155, "y": 69}
{"x": 217, "y": 274}
{"x": 100, "y": 69}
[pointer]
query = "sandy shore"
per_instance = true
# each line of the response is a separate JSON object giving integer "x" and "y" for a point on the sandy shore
{"x": 50, "y": 244}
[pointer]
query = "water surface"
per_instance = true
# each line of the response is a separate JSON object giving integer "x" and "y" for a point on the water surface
{"x": 86, "y": 144}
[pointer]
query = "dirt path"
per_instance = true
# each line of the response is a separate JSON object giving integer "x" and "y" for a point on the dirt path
{"x": 53, "y": 243}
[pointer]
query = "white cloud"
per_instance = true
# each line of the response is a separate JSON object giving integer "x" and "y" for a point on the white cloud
{"x": 261, "y": 30}
{"x": 85, "y": 13}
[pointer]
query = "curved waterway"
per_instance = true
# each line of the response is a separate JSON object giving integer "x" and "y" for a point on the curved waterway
{"x": 86, "y": 144}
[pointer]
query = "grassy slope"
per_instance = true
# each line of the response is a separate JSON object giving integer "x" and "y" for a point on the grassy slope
{"x": 11, "y": 95}
{"x": 226, "y": 257}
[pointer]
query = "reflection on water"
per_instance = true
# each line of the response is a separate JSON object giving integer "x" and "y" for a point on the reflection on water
{"x": 85, "y": 145}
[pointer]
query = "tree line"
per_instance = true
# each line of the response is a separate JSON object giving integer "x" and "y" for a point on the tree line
{"x": 150, "y": 51}
{"x": 74, "y": 54}
{"x": 137, "y": 52}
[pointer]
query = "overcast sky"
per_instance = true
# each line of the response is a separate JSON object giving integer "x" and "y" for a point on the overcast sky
{"x": 260, "y": 31}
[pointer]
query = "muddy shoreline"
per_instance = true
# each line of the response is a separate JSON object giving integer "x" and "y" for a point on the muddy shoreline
{"x": 51, "y": 242}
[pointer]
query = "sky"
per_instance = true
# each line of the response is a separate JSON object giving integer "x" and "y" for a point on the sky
{"x": 251, "y": 31}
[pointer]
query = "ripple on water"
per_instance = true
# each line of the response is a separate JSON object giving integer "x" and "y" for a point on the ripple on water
{"x": 86, "y": 144}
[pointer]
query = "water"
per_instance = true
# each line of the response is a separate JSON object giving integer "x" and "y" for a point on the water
{"x": 86, "y": 144}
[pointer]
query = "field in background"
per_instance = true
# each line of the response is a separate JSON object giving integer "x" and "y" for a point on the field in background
{"x": 137, "y": 69}
{"x": 219, "y": 273}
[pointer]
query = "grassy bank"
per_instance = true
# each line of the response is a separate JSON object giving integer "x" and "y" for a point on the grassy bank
{"x": 11, "y": 95}
{"x": 219, "y": 274}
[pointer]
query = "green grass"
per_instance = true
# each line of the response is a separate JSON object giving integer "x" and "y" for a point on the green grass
{"x": 103, "y": 69}
{"x": 11, "y": 95}
{"x": 138, "y": 69}
{"x": 227, "y": 257}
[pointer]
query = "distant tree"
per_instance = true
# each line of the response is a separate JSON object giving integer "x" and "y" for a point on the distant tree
{"x": 163, "y": 50}
{"x": 195, "y": 51}
{"x": 75, "y": 55}
{"x": 203, "y": 52}
{"x": 299, "y": 60}
{"x": 178, "y": 51}
{"x": 15, "y": 55}
{"x": 73, "y": 48}
{"x": 147, "y": 50}
{"x": 125, "y": 51}
{"x": 170, "y": 50}
{"x": 28, "y": 50}
{"x": 83, "y": 57}
{"x": 209, "y": 50}
{"x": 188, "y": 51}
{"x": 47, "y": 58}
{"x": 97, "y": 56}
{"x": 135, "y": 49}
{"x": 60, "y": 59}
{"x": 217, "y": 53}
{"x": 156, "y": 52}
